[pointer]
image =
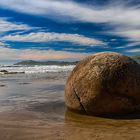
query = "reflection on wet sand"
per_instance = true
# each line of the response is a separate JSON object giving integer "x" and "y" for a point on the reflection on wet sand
{"x": 36, "y": 111}
{"x": 103, "y": 128}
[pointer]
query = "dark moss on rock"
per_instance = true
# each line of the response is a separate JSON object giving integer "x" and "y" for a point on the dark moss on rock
{"x": 104, "y": 83}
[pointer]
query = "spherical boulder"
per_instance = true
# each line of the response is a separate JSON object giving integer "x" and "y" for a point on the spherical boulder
{"x": 104, "y": 83}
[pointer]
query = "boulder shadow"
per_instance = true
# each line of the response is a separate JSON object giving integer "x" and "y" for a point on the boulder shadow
{"x": 128, "y": 116}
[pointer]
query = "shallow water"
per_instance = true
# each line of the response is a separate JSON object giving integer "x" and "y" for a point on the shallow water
{"x": 32, "y": 108}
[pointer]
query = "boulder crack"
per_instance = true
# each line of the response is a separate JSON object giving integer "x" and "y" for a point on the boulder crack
{"x": 79, "y": 101}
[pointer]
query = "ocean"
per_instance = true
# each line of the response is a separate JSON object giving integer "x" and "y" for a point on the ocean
{"x": 36, "y": 69}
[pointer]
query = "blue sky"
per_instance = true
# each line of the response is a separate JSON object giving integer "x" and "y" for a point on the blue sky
{"x": 67, "y": 29}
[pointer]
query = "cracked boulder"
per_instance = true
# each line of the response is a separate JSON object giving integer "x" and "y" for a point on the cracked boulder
{"x": 104, "y": 83}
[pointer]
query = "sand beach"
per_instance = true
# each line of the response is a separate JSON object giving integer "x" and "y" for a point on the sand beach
{"x": 32, "y": 108}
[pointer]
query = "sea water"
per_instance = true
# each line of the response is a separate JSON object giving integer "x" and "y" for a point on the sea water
{"x": 36, "y": 68}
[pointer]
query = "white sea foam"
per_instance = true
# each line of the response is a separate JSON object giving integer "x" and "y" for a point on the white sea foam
{"x": 37, "y": 69}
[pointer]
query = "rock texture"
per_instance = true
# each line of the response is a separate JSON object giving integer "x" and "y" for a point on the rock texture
{"x": 104, "y": 83}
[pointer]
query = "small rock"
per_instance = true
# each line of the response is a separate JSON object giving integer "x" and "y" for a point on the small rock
{"x": 2, "y": 85}
{"x": 4, "y": 71}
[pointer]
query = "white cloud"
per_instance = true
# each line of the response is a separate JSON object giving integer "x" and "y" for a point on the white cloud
{"x": 6, "y": 26}
{"x": 124, "y": 17}
{"x": 137, "y": 50}
{"x": 129, "y": 45}
{"x": 45, "y": 37}
{"x": 2, "y": 44}
{"x": 133, "y": 34}
{"x": 32, "y": 54}
{"x": 74, "y": 49}
{"x": 120, "y": 14}
{"x": 109, "y": 14}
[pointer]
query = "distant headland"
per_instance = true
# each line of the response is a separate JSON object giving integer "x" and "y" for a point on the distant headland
{"x": 60, "y": 63}
{"x": 32, "y": 62}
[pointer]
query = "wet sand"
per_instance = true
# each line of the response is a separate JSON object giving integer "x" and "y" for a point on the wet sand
{"x": 32, "y": 108}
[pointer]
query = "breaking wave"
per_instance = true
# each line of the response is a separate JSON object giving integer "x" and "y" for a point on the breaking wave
{"x": 37, "y": 69}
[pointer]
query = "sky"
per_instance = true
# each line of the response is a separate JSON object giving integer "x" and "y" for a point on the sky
{"x": 67, "y": 30}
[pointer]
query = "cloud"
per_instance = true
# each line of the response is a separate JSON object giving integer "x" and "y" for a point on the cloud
{"x": 121, "y": 14}
{"x": 106, "y": 14}
{"x": 137, "y": 50}
{"x": 123, "y": 18}
{"x": 74, "y": 49}
{"x": 32, "y": 54}
{"x": 46, "y": 37}
{"x": 133, "y": 34}
{"x": 6, "y": 26}
{"x": 2, "y": 44}
{"x": 129, "y": 45}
